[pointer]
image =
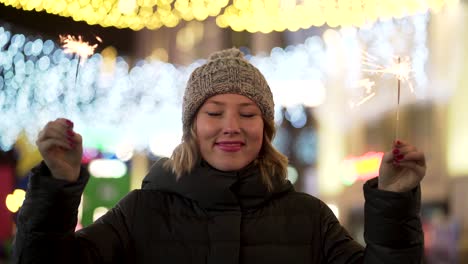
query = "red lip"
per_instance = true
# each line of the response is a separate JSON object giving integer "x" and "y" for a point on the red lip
{"x": 229, "y": 146}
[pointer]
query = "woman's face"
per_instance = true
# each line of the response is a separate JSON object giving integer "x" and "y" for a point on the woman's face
{"x": 229, "y": 130}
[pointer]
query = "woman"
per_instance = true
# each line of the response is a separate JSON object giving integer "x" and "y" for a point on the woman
{"x": 222, "y": 197}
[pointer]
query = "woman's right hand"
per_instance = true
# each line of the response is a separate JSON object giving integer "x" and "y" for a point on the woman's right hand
{"x": 61, "y": 148}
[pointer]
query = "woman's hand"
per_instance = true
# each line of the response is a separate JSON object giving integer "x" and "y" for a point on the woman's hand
{"x": 402, "y": 169}
{"x": 61, "y": 149}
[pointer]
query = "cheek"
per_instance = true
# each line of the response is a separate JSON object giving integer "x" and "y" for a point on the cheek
{"x": 256, "y": 133}
{"x": 204, "y": 131}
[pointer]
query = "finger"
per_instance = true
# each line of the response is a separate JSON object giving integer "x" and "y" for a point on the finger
{"x": 403, "y": 145}
{"x": 53, "y": 142}
{"x": 418, "y": 169}
{"x": 414, "y": 156}
{"x": 58, "y": 124}
{"x": 78, "y": 139}
{"x": 61, "y": 122}
{"x": 417, "y": 157}
{"x": 399, "y": 143}
{"x": 400, "y": 152}
{"x": 65, "y": 122}
{"x": 388, "y": 157}
{"x": 406, "y": 149}
{"x": 42, "y": 134}
{"x": 52, "y": 130}
{"x": 398, "y": 146}
{"x": 57, "y": 130}
{"x": 70, "y": 134}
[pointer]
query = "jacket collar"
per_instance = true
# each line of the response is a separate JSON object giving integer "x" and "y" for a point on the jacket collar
{"x": 214, "y": 189}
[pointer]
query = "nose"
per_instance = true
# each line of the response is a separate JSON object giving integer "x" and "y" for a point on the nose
{"x": 231, "y": 125}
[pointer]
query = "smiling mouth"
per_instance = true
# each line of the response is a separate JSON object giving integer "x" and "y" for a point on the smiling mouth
{"x": 229, "y": 146}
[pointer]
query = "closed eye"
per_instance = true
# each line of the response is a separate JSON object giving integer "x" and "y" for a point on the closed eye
{"x": 213, "y": 113}
{"x": 248, "y": 115}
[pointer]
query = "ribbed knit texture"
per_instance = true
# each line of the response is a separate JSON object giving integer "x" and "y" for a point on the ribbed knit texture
{"x": 225, "y": 72}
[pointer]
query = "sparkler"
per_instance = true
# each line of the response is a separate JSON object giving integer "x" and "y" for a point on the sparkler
{"x": 400, "y": 68}
{"x": 82, "y": 49}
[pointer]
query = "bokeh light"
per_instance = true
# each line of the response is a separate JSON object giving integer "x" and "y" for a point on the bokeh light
{"x": 15, "y": 200}
{"x": 142, "y": 102}
{"x": 251, "y": 15}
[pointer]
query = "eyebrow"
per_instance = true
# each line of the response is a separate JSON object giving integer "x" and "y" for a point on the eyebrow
{"x": 221, "y": 103}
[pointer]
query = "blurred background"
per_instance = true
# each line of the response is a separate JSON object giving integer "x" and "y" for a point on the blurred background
{"x": 348, "y": 78}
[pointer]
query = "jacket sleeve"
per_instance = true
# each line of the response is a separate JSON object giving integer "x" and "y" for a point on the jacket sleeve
{"x": 392, "y": 230}
{"x": 338, "y": 246}
{"x": 46, "y": 225}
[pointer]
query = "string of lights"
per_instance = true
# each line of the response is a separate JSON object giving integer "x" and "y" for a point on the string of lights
{"x": 251, "y": 15}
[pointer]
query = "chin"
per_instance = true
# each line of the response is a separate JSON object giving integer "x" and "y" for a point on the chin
{"x": 229, "y": 166}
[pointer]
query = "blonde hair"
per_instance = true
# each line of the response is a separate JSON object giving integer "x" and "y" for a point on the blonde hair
{"x": 272, "y": 164}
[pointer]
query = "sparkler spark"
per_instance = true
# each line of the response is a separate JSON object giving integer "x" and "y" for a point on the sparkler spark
{"x": 400, "y": 68}
{"x": 77, "y": 46}
{"x": 365, "y": 99}
{"x": 368, "y": 85}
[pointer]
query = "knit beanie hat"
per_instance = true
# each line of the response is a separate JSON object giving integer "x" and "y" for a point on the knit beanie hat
{"x": 225, "y": 72}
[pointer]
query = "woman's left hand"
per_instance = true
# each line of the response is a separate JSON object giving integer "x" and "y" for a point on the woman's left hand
{"x": 401, "y": 169}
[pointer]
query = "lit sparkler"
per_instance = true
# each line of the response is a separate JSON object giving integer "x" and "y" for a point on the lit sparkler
{"x": 82, "y": 49}
{"x": 400, "y": 68}
{"x": 78, "y": 46}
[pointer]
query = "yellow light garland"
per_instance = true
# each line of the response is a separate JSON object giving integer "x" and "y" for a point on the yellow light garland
{"x": 251, "y": 15}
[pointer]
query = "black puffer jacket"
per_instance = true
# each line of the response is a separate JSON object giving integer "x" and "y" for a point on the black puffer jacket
{"x": 211, "y": 217}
